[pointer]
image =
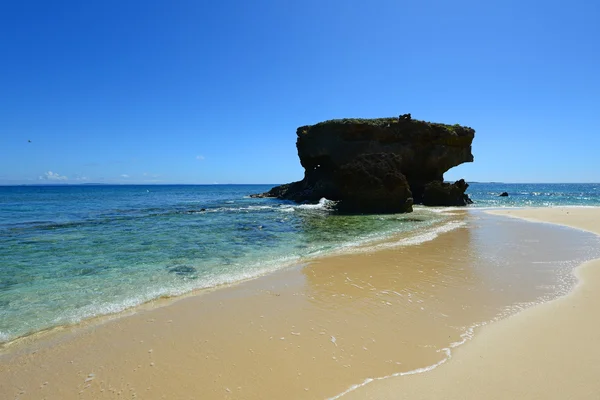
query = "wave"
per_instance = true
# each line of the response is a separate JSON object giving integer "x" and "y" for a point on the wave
{"x": 323, "y": 204}
{"x": 464, "y": 337}
{"x": 425, "y": 235}
{"x": 132, "y": 215}
{"x": 176, "y": 287}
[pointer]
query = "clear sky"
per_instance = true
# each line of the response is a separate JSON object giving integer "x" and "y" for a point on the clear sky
{"x": 212, "y": 91}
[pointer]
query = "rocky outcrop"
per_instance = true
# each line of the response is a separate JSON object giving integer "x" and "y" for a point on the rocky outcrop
{"x": 379, "y": 165}
{"x": 503, "y": 194}
{"x": 373, "y": 183}
{"x": 446, "y": 194}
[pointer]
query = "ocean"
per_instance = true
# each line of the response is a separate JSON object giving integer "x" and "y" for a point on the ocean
{"x": 68, "y": 253}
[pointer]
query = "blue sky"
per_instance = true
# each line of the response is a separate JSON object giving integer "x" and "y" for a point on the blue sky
{"x": 204, "y": 92}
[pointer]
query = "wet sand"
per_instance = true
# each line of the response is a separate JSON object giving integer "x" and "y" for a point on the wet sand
{"x": 549, "y": 351}
{"x": 311, "y": 331}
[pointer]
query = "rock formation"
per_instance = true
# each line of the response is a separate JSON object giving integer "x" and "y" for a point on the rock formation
{"x": 373, "y": 183}
{"x": 438, "y": 193}
{"x": 503, "y": 194}
{"x": 379, "y": 165}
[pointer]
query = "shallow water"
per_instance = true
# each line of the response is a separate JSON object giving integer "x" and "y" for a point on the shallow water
{"x": 318, "y": 330}
{"x": 72, "y": 252}
{"x": 416, "y": 304}
{"x": 69, "y": 253}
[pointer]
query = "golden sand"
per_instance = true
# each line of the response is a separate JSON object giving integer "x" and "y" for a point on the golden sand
{"x": 308, "y": 332}
{"x": 545, "y": 352}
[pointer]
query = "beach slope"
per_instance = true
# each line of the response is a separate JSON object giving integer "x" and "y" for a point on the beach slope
{"x": 549, "y": 351}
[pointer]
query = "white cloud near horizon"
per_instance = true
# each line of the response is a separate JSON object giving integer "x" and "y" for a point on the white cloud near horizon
{"x": 53, "y": 176}
{"x": 200, "y": 157}
{"x": 124, "y": 176}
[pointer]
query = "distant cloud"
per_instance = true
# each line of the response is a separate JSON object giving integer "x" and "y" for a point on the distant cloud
{"x": 52, "y": 176}
{"x": 199, "y": 158}
{"x": 124, "y": 176}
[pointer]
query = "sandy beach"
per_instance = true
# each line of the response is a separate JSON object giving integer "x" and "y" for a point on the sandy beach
{"x": 314, "y": 200}
{"x": 315, "y": 330}
{"x": 546, "y": 352}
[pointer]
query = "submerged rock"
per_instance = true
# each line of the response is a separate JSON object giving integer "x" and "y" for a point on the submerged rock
{"x": 182, "y": 270}
{"x": 378, "y": 165}
{"x": 503, "y": 194}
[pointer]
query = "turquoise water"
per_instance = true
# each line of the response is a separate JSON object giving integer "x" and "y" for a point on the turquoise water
{"x": 72, "y": 252}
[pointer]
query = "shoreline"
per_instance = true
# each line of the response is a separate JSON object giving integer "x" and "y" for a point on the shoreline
{"x": 287, "y": 313}
{"x": 376, "y": 244}
{"x": 415, "y": 237}
{"x": 546, "y": 351}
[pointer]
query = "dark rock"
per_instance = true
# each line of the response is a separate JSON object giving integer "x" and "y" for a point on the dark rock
{"x": 373, "y": 183}
{"x": 438, "y": 193}
{"x": 364, "y": 164}
{"x": 503, "y": 194}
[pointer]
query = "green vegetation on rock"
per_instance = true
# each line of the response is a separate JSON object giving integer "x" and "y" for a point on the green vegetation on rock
{"x": 390, "y": 123}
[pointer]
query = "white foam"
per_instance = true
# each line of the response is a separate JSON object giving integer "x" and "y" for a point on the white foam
{"x": 440, "y": 210}
{"x": 253, "y": 270}
{"x": 465, "y": 336}
{"x": 235, "y": 209}
{"x": 98, "y": 309}
{"x": 286, "y": 208}
{"x": 468, "y": 334}
{"x": 323, "y": 204}
{"x": 426, "y": 236}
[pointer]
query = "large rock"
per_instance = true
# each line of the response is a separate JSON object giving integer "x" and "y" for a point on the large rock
{"x": 446, "y": 194}
{"x": 373, "y": 183}
{"x": 365, "y": 163}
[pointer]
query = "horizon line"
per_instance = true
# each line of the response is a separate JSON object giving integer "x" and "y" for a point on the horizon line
{"x": 241, "y": 184}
